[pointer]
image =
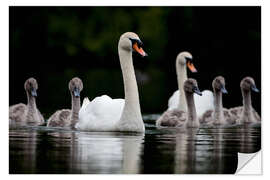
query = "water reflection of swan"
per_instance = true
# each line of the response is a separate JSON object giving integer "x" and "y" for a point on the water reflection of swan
{"x": 204, "y": 151}
{"x": 185, "y": 151}
{"x": 24, "y": 161}
{"x": 106, "y": 153}
{"x": 218, "y": 152}
{"x": 248, "y": 139}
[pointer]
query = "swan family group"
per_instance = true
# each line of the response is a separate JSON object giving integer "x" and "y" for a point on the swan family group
{"x": 187, "y": 108}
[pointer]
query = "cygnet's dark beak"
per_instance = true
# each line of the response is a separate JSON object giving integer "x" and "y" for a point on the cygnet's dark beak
{"x": 34, "y": 92}
{"x": 254, "y": 88}
{"x": 197, "y": 91}
{"x": 76, "y": 92}
{"x": 223, "y": 90}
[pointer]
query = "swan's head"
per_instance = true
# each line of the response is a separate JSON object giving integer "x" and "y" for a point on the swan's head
{"x": 248, "y": 84}
{"x": 31, "y": 87}
{"x": 186, "y": 59}
{"x": 75, "y": 86}
{"x": 219, "y": 84}
{"x": 191, "y": 86}
{"x": 130, "y": 41}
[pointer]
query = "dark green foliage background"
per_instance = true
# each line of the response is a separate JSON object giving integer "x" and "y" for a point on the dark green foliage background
{"x": 54, "y": 44}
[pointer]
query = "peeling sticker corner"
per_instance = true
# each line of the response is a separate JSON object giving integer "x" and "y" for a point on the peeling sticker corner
{"x": 249, "y": 164}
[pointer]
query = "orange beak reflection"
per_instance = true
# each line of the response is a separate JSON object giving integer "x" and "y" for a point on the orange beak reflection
{"x": 191, "y": 67}
{"x": 139, "y": 50}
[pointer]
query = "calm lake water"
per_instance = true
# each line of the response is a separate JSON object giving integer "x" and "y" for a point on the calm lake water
{"x": 45, "y": 150}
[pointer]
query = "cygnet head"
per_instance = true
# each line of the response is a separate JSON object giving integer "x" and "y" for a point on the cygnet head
{"x": 186, "y": 59}
{"x": 75, "y": 86}
{"x": 31, "y": 87}
{"x": 219, "y": 84}
{"x": 248, "y": 84}
{"x": 130, "y": 41}
{"x": 191, "y": 86}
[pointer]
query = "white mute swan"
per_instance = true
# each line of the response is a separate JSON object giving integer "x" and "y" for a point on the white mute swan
{"x": 67, "y": 117}
{"x": 246, "y": 114}
{"x": 106, "y": 114}
{"x": 29, "y": 114}
{"x": 202, "y": 103}
{"x": 178, "y": 118}
{"x": 220, "y": 115}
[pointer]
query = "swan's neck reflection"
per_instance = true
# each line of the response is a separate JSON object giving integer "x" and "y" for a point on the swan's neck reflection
{"x": 185, "y": 152}
{"x": 218, "y": 154}
{"x": 106, "y": 153}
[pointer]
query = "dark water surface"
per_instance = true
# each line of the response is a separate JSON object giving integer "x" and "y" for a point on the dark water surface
{"x": 159, "y": 151}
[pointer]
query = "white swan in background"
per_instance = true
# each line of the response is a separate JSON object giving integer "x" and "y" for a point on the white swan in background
{"x": 107, "y": 114}
{"x": 246, "y": 114}
{"x": 202, "y": 103}
{"x": 220, "y": 115}
{"x": 21, "y": 114}
{"x": 67, "y": 117}
{"x": 180, "y": 118}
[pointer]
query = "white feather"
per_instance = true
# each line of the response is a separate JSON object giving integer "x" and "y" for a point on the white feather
{"x": 101, "y": 114}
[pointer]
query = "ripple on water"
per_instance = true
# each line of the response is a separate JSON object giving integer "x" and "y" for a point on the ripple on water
{"x": 168, "y": 150}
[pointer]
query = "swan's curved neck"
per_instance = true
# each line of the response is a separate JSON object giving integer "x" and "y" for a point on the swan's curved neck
{"x": 75, "y": 108}
{"x": 181, "y": 71}
{"x": 247, "y": 114}
{"x": 218, "y": 111}
{"x": 131, "y": 118}
{"x": 247, "y": 101}
{"x": 191, "y": 110}
{"x": 32, "y": 107}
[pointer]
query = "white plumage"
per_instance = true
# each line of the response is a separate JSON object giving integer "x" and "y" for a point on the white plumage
{"x": 100, "y": 114}
{"x": 106, "y": 114}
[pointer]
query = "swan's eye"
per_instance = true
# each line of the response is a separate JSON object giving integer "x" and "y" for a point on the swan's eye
{"x": 136, "y": 41}
{"x": 188, "y": 59}
{"x": 137, "y": 46}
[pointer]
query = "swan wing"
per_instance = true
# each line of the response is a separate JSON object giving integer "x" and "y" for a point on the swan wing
{"x": 173, "y": 101}
{"x": 100, "y": 114}
{"x": 86, "y": 101}
{"x": 17, "y": 113}
{"x": 204, "y": 102}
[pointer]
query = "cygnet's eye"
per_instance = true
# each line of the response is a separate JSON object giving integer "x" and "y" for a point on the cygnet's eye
{"x": 248, "y": 82}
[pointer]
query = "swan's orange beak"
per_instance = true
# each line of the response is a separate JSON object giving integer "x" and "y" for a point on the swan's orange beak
{"x": 139, "y": 50}
{"x": 191, "y": 67}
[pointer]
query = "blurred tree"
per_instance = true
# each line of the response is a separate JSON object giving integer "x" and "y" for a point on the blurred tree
{"x": 54, "y": 44}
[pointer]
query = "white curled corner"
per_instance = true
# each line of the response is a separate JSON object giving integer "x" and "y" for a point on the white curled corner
{"x": 249, "y": 163}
